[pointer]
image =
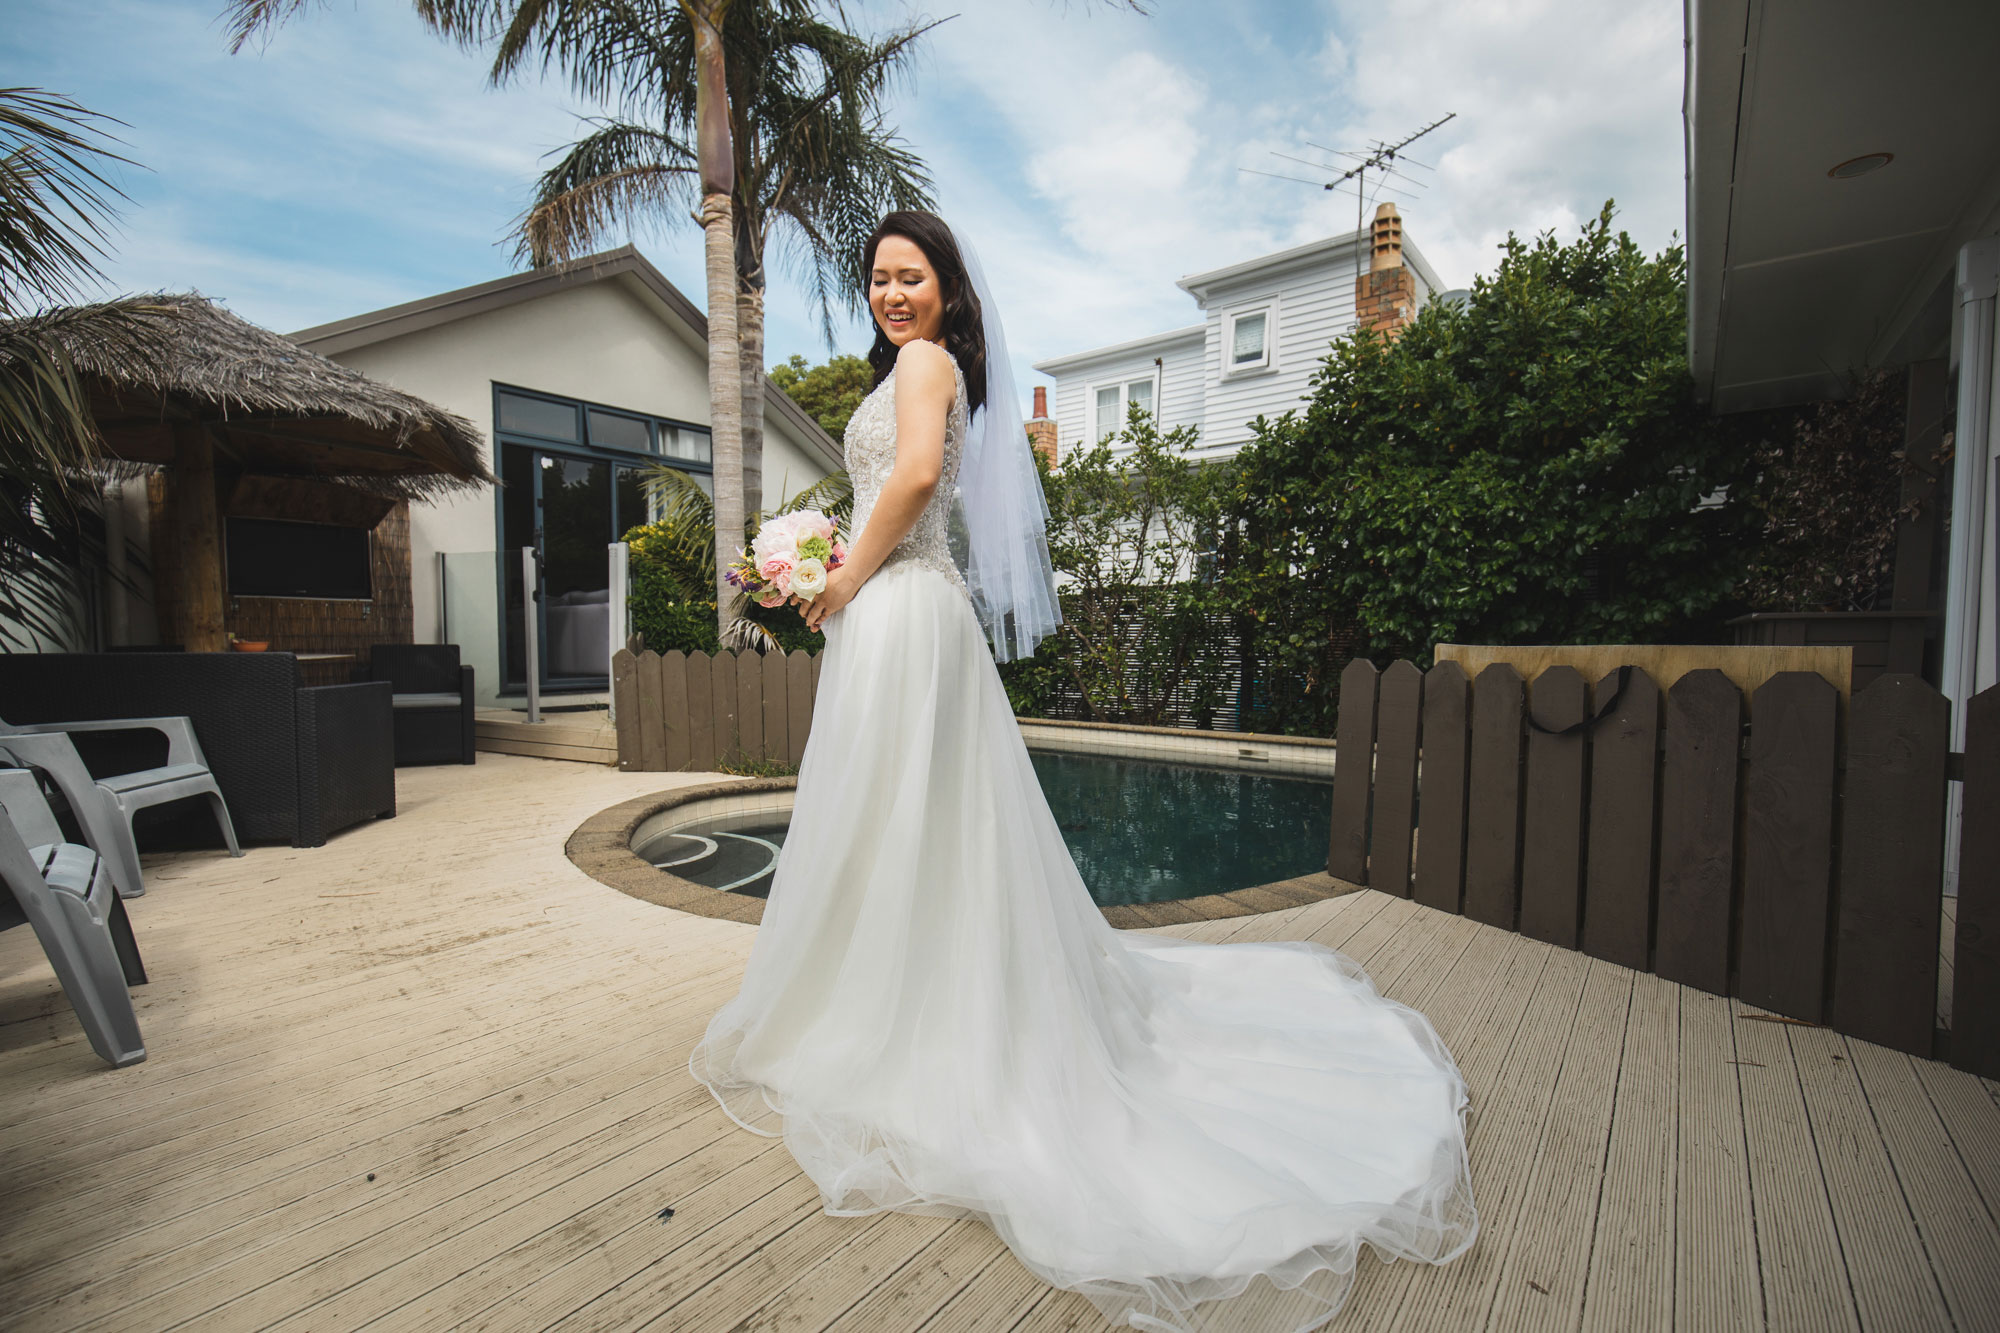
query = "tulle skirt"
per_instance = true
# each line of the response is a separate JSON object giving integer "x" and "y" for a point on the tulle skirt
{"x": 937, "y": 1020}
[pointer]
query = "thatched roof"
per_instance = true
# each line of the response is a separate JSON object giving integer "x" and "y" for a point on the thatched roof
{"x": 274, "y": 408}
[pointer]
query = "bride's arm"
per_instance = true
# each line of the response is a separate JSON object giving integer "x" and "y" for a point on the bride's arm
{"x": 925, "y": 388}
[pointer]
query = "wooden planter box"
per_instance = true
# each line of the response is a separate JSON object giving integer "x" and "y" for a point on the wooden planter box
{"x": 1882, "y": 640}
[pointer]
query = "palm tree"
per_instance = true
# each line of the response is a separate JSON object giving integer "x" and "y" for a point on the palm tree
{"x": 802, "y": 151}
{"x": 56, "y": 208}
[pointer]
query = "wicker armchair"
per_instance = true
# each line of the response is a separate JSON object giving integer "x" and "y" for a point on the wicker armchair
{"x": 433, "y": 701}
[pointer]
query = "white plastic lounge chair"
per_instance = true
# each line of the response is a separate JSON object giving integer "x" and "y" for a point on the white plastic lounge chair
{"x": 105, "y": 827}
{"x": 184, "y": 774}
{"x": 64, "y": 892}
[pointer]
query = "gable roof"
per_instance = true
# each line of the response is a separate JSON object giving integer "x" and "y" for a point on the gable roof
{"x": 1198, "y": 285}
{"x": 625, "y": 262}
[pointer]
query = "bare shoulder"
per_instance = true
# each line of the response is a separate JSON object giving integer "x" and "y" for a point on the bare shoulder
{"x": 924, "y": 367}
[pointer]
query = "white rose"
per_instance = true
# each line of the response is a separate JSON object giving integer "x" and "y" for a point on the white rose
{"x": 808, "y": 579}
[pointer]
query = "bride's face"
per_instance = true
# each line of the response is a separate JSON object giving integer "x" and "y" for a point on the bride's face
{"x": 903, "y": 292}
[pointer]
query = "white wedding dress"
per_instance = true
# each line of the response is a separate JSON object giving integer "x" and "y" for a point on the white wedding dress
{"x": 938, "y": 1020}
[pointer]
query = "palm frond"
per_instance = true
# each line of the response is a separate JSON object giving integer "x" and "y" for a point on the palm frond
{"x": 617, "y": 174}
{"x": 56, "y": 204}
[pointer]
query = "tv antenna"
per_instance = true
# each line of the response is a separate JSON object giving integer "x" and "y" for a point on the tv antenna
{"x": 1381, "y": 158}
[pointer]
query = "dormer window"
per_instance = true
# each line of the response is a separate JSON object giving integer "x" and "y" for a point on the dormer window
{"x": 1246, "y": 341}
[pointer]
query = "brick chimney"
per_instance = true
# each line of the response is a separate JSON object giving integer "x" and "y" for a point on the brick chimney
{"x": 1385, "y": 297}
{"x": 1041, "y": 430}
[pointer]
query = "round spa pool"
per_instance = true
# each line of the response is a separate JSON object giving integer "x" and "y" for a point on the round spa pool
{"x": 1140, "y": 831}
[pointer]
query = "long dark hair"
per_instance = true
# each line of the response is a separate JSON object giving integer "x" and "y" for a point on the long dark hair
{"x": 963, "y": 332}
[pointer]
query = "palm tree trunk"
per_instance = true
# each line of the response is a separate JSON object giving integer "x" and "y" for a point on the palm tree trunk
{"x": 750, "y": 341}
{"x": 725, "y": 376}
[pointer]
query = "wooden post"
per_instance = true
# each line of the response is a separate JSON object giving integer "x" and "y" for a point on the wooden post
{"x": 198, "y": 527}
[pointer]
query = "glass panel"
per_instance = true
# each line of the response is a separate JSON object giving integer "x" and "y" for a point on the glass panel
{"x": 1248, "y": 344}
{"x": 630, "y": 497}
{"x": 533, "y": 416}
{"x": 576, "y": 583}
{"x": 1141, "y": 393}
{"x": 1107, "y": 411}
{"x": 608, "y": 430}
{"x": 470, "y": 614}
{"x": 685, "y": 443}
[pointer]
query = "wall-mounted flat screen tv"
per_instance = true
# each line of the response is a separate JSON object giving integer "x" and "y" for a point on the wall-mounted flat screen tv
{"x": 271, "y": 557}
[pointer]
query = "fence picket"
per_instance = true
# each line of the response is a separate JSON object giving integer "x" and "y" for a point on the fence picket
{"x": 1698, "y": 781}
{"x": 1493, "y": 810}
{"x": 1788, "y": 845}
{"x": 1441, "y": 800}
{"x": 647, "y": 715}
{"x": 1353, "y": 773}
{"x": 1618, "y": 868}
{"x": 776, "y": 703}
{"x": 749, "y": 705}
{"x": 1891, "y": 863}
{"x": 722, "y": 672}
{"x": 674, "y": 705}
{"x": 798, "y": 702}
{"x": 1975, "y": 970}
{"x": 1552, "y": 821}
{"x": 701, "y": 713}
{"x": 1398, "y": 715}
{"x": 625, "y": 701}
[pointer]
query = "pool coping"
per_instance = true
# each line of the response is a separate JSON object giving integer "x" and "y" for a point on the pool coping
{"x": 601, "y": 847}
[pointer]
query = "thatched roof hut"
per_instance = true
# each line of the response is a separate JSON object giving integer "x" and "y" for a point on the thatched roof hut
{"x": 240, "y": 422}
{"x": 272, "y": 408}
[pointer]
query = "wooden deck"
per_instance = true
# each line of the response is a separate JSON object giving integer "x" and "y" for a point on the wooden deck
{"x": 453, "y": 1095}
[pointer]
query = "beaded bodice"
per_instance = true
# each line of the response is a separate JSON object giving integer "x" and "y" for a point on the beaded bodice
{"x": 870, "y": 444}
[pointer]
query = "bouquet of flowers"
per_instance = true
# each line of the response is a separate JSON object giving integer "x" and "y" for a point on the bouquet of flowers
{"x": 789, "y": 558}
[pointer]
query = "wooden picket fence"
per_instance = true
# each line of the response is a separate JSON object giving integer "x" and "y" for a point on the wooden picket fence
{"x": 684, "y": 712}
{"x": 1791, "y": 855}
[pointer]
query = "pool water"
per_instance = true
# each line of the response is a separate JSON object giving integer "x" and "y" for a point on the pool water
{"x": 1139, "y": 832}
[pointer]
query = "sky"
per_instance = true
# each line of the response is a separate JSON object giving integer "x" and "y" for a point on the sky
{"x": 1092, "y": 155}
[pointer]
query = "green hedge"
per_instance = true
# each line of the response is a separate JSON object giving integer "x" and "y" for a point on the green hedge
{"x": 667, "y": 621}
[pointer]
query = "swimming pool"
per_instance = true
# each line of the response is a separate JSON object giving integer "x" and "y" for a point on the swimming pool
{"x": 1139, "y": 831}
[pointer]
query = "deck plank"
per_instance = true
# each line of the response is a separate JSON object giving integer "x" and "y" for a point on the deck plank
{"x": 1799, "y": 1256}
{"x": 1629, "y": 1284}
{"x": 1716, "y": 1287}
{"x": 1887, "y": 1267}
{"x": 467, "y": 1034}
{"x": 1541, "y": 1283}
{"x": 1956, "y": 1226}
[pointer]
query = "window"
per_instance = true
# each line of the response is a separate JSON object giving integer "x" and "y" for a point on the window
{"x": 520, "y": 414}
{"x": 613, "y": 430}
{"x": 1247, "y": 341}
{"x": 686, "y": 443}
{"x": 1110, "y": 403}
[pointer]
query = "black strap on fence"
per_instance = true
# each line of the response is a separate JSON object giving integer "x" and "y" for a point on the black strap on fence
{"x": 1604, "y": 710}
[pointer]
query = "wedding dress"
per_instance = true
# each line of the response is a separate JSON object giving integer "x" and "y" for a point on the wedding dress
{"x": 937, "y": 1019}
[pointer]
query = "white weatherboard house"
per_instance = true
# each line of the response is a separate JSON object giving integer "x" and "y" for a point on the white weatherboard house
{"x": 1265, "y": 325}
{"x": 579, "y": 377}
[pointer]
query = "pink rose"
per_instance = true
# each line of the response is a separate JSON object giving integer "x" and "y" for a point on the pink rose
{"x": 777, "y": 570}
{"x": 839, "y": 552}
{"x": 770, "y": 597}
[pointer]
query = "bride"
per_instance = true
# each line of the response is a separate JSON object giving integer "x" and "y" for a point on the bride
{"x": 936, "y": 1017}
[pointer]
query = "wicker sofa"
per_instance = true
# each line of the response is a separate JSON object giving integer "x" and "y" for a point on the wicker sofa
{"x": 293, "y": 762}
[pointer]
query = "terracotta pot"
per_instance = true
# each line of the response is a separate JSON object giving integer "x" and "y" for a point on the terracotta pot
{"x": 250, "y": 645}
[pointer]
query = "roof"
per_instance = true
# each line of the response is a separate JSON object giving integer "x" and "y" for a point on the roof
{"x": 1198, "y": 285}
{"x": 1797, "y": 277}
{"x": 276, "y": 407}
{"x": 623, "y": 263}
{"x": 1057, "y": 364}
